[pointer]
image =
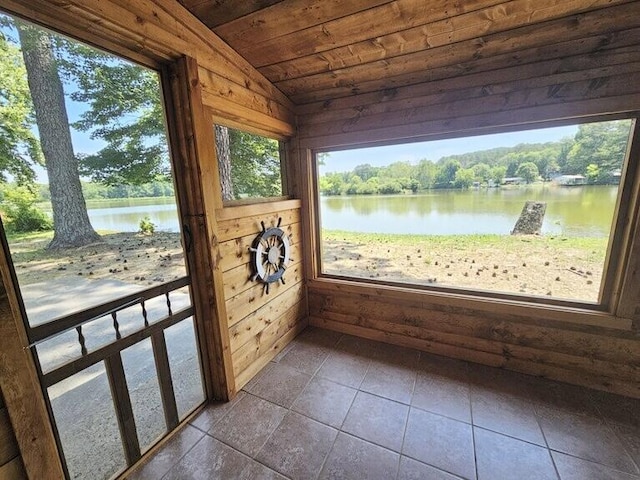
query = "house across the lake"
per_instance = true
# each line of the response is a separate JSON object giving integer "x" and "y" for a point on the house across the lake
{"x": 571, "y": 180}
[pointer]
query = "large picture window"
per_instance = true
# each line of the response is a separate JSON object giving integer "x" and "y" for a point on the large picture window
{"x": 528, "y": 213}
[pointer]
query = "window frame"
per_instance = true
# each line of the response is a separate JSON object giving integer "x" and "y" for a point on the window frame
{"x": 283, "y": 143}
{"x": 620, "y": 238}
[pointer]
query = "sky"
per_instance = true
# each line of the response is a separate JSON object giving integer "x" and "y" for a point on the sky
{"x": 346, "y": 160}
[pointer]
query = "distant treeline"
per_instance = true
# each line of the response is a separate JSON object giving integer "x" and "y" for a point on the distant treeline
{"x": 93, "y": 190}
{"x": 596, "y": 151}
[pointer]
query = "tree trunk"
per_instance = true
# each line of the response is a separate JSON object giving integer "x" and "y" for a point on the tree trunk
{"x": 70, "y": 219}
{"x": 223, "y": 152}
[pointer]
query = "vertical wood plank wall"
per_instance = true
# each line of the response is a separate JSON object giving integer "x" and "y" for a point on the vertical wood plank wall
{"x": 260, "y": 324}
{"x": 11, "y": 467}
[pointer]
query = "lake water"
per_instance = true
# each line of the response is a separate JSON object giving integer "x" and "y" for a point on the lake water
{"x": 572, "y": 211}
{"x": 584, "y": 211}
{"x": 124, "y": 215}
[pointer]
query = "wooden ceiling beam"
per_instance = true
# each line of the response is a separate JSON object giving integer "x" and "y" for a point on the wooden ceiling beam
{"x": 364, "y": 46}
{"x": 569, "y": 87}
{"x": 504, "y": 81}
{"x": 287, "y": 17}
{"x": 214, "y": 13}
{"x": 553, "y": 98}
{"x": 366, "y": 27}
{"x": 457, "y": 74}
{"x": 497, "y": 51}
{"x": 534, "y": 116}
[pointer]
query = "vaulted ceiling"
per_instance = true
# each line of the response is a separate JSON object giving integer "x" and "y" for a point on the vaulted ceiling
{"x": 315, "y": 51}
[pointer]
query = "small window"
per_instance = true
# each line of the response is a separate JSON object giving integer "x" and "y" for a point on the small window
{"x": 249, "y": 164}
{"x": 449, "y": 213}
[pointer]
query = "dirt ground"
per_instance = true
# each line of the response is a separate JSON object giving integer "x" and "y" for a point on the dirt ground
{"x": 129, "y": 257}
{"x": 532, "y": 265}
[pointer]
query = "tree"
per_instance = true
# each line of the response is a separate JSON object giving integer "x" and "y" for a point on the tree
{"x": 498, "y": 174}
{"x": 223, "y": 152}
{"x": 593, "y": 173}
{"x": 464, "y": 178}
{"x": 19, "y": 147}
{"x": 366, "y": 171}
{"x": 482, "y": 172}
{"x": 426, "y": 173}
{"x": 255, "y": 165}
{"x": 70, "y": 219}
{"x": 446, "y": 173}
{"x": 125, "y": 111}
{"x": 331, "y": 184}
{"x": 528, "y": 171}
{"x": 603, "y": 144}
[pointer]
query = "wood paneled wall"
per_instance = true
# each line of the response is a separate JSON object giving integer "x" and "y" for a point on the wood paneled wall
{"x": 590, "y": 67}
{"x": 260, "y": 324}
{"x": 11, "y": 467}
{"x": 504, "y": 336}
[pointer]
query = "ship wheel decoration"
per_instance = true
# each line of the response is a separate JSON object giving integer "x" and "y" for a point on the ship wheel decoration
{"x": 270, "y": 255}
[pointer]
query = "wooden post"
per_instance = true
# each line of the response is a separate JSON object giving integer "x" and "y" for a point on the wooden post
{"x": 165, "y": 381}
{"x": 19, "y": 381}
{"x": 198, "y": 188}
{"x": 123, "y": 408}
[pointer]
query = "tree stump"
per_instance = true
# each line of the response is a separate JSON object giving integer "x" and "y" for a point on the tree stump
{"x": 530, "y": 221}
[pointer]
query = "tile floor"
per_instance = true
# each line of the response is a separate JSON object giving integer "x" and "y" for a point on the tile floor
{"x": 332, "y": 406}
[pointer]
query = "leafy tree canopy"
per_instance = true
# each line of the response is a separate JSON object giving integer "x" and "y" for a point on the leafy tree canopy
{"x": 124, "y": 110}
{"x": 596, "y": 151}
{"x": 19, "y": 147}
{"x": 255, "y": 165}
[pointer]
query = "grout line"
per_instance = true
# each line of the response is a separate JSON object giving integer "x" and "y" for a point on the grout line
{"x": 473, "y": 427}
{"x": 544, "y": 436}
{"x": 179, "y": 459}
{"x": 593, "y": 462}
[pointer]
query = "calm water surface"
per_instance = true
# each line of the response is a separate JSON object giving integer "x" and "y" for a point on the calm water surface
{"x": 584, "y": 211}
{"x": 124, "y": 215}
{"x": 572, "y": 211}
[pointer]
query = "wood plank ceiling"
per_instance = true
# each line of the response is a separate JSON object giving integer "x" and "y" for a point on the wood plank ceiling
{"x": 318, "y": 51}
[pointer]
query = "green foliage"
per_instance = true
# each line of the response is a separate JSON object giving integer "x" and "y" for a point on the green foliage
{"x": 593, "y": 173}
{"x": 370, "y": 187}
{"x": 446, "y": 173}
{"x": 332, "y": 184}
{"x": 497, "y": 174}
{"x": 147, "y": 227}
{"x": 602, "y": 144}
{"x": 482, "y": 172}
{"x": 255, "y": 165}
{"x": 597, "y": 151}
{"x": 390, "y": 187}
{"x": 124, "y": 110}
{"x": 464, "y": 178}
{"x": 528, "y": 171}
{"x": 19, "y": 146}
{"x": 23, "y": 216}
{"x": 157, "y": 188}
{"x": 365, "y": 171}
